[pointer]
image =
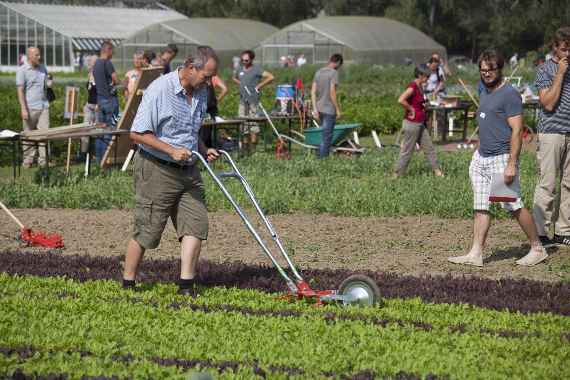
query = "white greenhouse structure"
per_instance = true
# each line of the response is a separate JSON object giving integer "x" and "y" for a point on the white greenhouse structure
{"x": 360, "y": 39}
{"x": 64, "y": 32}
{"x": 228, "y": 36}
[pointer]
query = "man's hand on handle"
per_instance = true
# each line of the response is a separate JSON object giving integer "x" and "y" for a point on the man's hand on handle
{"x": 180, "y": 154}
{"x": 212, "y": 154}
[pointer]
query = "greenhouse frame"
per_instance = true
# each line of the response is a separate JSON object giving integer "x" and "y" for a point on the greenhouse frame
{"x": 228, "y": 36}
{"x": 370, "y": 40}
{"x": 63, "y": 32}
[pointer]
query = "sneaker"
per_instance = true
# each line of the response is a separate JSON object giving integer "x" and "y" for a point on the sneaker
{"x": 533, "y": 257}
{"x": 546, "y": 241}
{"x": 562, "y": 239}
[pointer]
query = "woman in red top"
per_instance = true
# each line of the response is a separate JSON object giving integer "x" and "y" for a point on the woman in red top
{"x": 414, "y": 126}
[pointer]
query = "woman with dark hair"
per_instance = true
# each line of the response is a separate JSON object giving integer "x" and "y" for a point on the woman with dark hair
{"x": 413, "y": 125}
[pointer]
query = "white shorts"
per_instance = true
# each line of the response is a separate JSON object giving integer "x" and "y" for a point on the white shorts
{"x": 481, "y": 172}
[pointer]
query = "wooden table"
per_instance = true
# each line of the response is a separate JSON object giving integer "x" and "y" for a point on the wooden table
{"x": 462, "y": 106}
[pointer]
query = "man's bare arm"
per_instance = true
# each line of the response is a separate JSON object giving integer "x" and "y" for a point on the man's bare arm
{"x": 516, "y": 124}
{"x": 334, "y": 100}
{"x": 23, "y": 104}
{"x": 267, "y": 78}
{"x": 150, "y": 140}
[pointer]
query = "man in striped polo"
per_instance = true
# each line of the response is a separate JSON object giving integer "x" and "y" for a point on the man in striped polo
{"x": 553, "y": 84}
{"x": 167, "y": 179}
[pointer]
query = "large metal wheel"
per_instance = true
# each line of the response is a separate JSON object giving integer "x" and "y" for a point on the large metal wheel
{"x": 360, "y": 289}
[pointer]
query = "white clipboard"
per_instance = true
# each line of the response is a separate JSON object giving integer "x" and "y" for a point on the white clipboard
{"x": 501, "y": 192}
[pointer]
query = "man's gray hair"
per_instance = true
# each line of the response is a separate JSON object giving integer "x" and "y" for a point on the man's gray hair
{"x": 203, "y": 55}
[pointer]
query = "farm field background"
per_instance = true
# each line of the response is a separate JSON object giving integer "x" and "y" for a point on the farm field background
{"x": 63, "y": 314}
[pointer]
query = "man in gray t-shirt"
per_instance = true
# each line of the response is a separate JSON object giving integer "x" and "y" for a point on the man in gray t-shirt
{"x": 501, "y": 125}
{"x": 325, "y": 105}
{"x": 251, "y": 79}
{"x": 32, "y": 81}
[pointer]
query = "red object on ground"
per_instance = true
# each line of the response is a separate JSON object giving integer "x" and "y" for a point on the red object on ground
{"x": 281, "y": 151}
{"x": 39, "y": 239}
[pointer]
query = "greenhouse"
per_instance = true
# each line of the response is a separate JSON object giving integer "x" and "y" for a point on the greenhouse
{"x": 370, "y": 40}
{"x": 227, "y": 36}
{"x": 64, "y": 33}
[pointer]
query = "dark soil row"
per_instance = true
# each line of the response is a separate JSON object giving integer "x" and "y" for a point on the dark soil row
{"x": 516, "y": 295}
{"x": 27, "y": 352}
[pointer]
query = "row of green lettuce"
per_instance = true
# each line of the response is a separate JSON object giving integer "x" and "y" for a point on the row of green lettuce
{"x": 81, "y": 329}
{"x": 361, "y": 186}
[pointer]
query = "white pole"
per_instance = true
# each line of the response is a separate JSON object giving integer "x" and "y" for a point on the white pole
{"x": 355, "y": 135}
{"x": 128, "y": 160}
{"x": 376, "y": 140}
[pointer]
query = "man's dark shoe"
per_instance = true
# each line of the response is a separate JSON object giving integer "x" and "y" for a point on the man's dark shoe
{"x": 546, "y": 242}
{"x": 562, "y": 239}
{"x": 190, "y": 292}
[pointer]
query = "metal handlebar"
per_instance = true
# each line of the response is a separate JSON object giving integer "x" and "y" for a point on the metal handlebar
{"x": 235, "y": 173}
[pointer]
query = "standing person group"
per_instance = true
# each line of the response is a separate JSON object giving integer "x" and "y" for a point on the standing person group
{"x": 553, "y": 84}
{"x": 33, "y": 83}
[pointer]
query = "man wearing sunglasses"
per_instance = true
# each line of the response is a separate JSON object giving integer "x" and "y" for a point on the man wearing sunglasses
{"x": 500, "y": 135}
{"x": 251, "y": 79}
{"x": 553, "y": 84}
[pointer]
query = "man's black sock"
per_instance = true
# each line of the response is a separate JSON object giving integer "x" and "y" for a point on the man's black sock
{"x": 128, "y": 284}
{"x": 186, "y": 283}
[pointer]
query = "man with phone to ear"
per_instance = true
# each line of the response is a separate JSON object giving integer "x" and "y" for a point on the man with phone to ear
{"x": 500, "y": 121}
{"x": 553, "y": 84}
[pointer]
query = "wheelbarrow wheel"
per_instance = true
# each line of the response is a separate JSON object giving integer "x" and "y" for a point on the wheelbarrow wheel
{"x": 363, "y": 290}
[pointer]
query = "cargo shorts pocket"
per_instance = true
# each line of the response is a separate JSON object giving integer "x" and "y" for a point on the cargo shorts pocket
{"x": 143, "y": 212}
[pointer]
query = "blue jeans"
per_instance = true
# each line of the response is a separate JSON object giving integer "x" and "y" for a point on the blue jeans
{"x": 108, "y": 111}
{"x": 327, "y": 123}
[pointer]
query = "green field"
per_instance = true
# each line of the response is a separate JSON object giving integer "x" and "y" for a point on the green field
{"x": 95, "y": 328}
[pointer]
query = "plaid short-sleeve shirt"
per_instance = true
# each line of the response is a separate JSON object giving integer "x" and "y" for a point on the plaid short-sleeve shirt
{"x": 166, "y": 112}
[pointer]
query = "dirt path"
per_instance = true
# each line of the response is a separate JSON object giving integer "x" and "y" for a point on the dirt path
{"x": 411, "y": 245}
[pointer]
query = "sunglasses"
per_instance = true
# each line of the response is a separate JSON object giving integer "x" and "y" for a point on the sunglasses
{"x": 492, "y": 70}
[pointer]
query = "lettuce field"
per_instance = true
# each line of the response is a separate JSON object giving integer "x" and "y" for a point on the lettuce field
{"x": 68, "y": 318}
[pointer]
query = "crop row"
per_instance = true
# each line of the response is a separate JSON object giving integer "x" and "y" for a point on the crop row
{"x": 99, "y": 318}
{"x": 361, "y": 186}
{"x": 410, "y": 313}
{"x": 213, "y": 305}
{"x": 22, "y": 354}
{"x": 514, "y": 295}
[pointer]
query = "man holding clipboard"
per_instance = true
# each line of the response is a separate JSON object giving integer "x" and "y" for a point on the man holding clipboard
{"x": 494, "y": 170}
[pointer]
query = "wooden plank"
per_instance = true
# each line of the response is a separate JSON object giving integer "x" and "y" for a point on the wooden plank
{"x": 123, "y": 143}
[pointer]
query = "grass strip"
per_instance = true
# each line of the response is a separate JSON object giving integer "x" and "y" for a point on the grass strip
{"x": 360, "y": 186}
{"x": 506, "y": 294}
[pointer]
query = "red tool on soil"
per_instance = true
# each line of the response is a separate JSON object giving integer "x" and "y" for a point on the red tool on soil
{"x": 32, "y": 238}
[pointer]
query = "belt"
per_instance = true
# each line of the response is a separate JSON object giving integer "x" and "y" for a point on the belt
{"x": 160, "y": 161}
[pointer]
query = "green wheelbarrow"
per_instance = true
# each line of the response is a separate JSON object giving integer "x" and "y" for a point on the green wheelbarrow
{"x": 313, "y": 136}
